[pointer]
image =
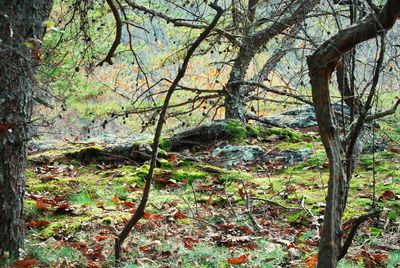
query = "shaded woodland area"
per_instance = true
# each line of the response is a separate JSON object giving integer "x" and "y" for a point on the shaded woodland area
{"x": 197, "y": 133}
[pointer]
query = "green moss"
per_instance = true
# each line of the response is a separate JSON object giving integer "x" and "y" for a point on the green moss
{"x": 317, "y": 159}
{"x": 30, "y": 208}
{"x": 190, "y": 175}
{"x": 51, "y": 229}
{"x": 253, "y": 131}
{"x": 48, "y": 254}
{"x": 82, "y": 198}
{"x": 236, "y": 130}
{"x": 63, "y": 226}
{"x": 294, "y": 146}
{"x": 108, "y": 220}
{"x": 165, "y": 164}
{"x": 285, "y": 133}
{"x": 86, "y": 153}
{"x": 30, "y": 173}
{"x": 234, "y": 176}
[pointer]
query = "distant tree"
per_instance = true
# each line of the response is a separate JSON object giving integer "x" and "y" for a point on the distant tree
{"x": 21, "y": 29}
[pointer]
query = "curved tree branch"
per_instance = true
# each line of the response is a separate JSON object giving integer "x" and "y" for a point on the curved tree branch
{"x": 118, "y": 34}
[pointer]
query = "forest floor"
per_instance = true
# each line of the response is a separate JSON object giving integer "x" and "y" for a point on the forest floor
{"x": 203, "y": 215}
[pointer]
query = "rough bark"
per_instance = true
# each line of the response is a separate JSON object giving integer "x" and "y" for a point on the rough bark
{"x": 235, "y": 104}
{"x": 321, "y": 65}
{"x": 20, "y": 22}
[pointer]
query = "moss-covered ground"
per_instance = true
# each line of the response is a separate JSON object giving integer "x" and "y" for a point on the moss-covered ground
{"x": 201, "y": 215}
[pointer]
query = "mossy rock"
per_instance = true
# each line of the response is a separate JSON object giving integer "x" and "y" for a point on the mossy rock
{"x": 87, "y": 153}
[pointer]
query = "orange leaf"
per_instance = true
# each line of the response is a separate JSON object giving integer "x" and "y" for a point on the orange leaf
{"x": 242, "y": 259}
{"x": 38, "y": 224}
{"x": 143, "y": 248}
{"x": 312, "y": 261}
{"x": 115, "y": 199}
{"x": 26, "y": 263}
{"x": 172, "y": 157}
{"x": 100, "y": 238}
{"x": 41, "y": 205}
{"x": 147, "y": 215}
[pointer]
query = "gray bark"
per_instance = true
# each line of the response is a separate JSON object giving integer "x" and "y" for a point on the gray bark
{"x": 235, "y": 103}
{"x": 20, "y": 22}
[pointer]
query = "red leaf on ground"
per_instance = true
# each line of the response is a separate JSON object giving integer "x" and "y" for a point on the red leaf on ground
{"x": 100, "y": 238}
{"x": 395, "y": 150}
{"x": 388, "y": 195}
{"x": 26, "y": 263}
{"x": 143, "y": 248}
{"x": 128, "y": 204}
{"x": 245, "y": 229}
{"x": 41, "y": 205}
{"x": 189, "y": 242}
{"x": 37, "y": 224}
{"x": 179, "y": 215}
{"x": 235, "y": 261}
{"x": 93, "y": 264}
{"x": 378, "y": 257}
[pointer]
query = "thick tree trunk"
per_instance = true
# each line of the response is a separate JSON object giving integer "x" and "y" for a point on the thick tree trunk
{"x": 20, "y": 22}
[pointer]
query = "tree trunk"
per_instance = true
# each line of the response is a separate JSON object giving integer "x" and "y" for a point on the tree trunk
{"x": 341, "y": 153}
{"x": 235, "y": 104}
{"x": 20, "y": 22}
{"x": 253, "y": 41}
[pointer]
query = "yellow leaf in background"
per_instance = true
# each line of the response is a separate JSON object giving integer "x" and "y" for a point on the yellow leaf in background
{"x": 48, "y": 23}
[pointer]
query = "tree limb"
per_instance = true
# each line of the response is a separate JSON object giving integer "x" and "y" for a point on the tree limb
{"x": 357, "y": 222}
{"x": 118, "y": 34}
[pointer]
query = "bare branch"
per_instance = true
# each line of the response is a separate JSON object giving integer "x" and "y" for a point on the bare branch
{"x": 118, "y": 34}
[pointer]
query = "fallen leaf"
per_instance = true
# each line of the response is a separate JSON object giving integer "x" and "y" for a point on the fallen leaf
{"x": 312, "y": 261}
{"x": 37, "y": 224}
{"x": 41, "y": 205}
{"x": 388, "y": 195}
{"x": 147, "y": 215}
{"x": 235, "y": 261}
{"x": 100, "y": 238}
{"x": 179, "y": 215}
{"x": 189, "y": 242}
{"x": 93, "y": 264}
{"x": 115, "y": 199}
{"x": 26, "y": 263}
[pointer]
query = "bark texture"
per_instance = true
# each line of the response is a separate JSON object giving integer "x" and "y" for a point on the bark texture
{"x": 342, "y": 153}
{"x": 253, "y": 41}
{"x": 20, "y": 30}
